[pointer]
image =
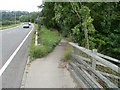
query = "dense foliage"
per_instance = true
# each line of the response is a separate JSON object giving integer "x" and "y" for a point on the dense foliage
{"x": 11, "y": 17}
{"x": 30, "y": 18}
{"x": 92, "y": 25}
{"x": 6, "y": 23}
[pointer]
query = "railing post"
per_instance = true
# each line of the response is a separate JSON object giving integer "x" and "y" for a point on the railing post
{"x": 93, "y": 60}
{"x": 76, "y": 50}
{"x": 36, "y": 38}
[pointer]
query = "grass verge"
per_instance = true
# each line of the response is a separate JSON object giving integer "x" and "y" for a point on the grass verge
{"x": 66, "y": 57}
{"x": 9, "y": 26}
{"x": 47, "y": 39}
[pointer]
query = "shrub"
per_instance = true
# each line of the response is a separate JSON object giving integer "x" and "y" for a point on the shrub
{"x": 5, "y": 23}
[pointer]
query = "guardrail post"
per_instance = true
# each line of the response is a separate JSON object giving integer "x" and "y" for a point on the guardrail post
{"x": 76, "y": 50}
{"x": 93, "y": 60}
{"x": 36, "y": 38}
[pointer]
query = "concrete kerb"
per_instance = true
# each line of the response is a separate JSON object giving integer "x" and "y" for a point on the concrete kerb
{"x": 25, "y": 73}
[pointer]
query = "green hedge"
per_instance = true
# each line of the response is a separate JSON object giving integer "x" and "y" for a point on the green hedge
{"x": 5, "y": 23}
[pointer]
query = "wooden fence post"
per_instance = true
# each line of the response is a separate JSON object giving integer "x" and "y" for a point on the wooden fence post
{"x": 76, "y": 50}
{"x": 93, "y": 60}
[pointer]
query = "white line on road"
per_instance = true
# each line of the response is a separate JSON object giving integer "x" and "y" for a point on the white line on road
{"x": 13, "y": 55}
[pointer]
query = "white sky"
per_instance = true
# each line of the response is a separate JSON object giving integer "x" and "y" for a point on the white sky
{"x": 21, "y": 5}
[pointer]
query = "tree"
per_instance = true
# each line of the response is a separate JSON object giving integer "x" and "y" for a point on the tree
{"x": 24, "y": 18}
{"x": 47, "y": 14}
{"x": 92, "y": 25}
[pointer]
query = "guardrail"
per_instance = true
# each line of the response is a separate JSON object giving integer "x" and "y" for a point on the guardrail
{"x": 92, "y": 68}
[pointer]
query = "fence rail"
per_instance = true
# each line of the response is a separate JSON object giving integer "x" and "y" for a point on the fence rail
{"x": 89, "y": 71}
{"x": 110, "y": 58}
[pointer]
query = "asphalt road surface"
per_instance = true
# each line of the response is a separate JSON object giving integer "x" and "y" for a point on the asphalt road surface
{"x": 11, "y": 39}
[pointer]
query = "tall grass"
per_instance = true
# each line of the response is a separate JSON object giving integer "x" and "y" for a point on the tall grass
{"x": 47, "y": 39}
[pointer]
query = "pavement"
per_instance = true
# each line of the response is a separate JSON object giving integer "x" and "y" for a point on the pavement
{"x": 11, "y": 39}
{"x": 46, "y": 73}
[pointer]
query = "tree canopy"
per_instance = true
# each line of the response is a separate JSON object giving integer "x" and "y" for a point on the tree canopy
{"x": 10, "y": 15}
{"x": 90, "y": 24}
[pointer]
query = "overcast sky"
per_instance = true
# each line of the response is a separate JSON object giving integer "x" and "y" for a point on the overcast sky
{"x": 21, "y": 5}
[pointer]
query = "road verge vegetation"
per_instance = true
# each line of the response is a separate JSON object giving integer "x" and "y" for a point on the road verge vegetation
{"x": 9, "y": 26}
{"x": 66, "y": 57}
{"x": 48, "y": 39}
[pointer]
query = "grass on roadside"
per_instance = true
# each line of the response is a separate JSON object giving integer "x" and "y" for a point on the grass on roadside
{"x": 66, "y": 57}
{"x": 47, "y": 39}
{"x": 9, "y": 26}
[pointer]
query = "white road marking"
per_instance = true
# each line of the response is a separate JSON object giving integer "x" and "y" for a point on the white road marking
{"x": 13, "y": 55}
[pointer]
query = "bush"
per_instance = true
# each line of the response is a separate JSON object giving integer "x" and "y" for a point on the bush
{"x": 47, "y": 39}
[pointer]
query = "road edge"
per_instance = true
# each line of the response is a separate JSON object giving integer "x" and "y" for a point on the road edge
{"x": 22, "y": 85}
{"x": 14, "y": 53}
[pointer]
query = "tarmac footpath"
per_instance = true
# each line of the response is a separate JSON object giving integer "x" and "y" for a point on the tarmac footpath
{"x": 46, "y": 73}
